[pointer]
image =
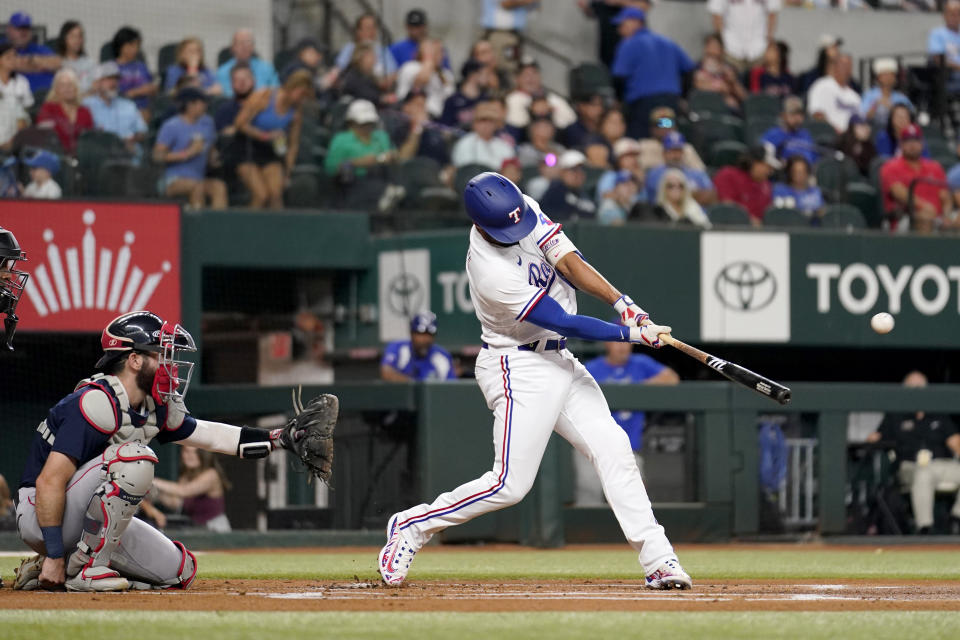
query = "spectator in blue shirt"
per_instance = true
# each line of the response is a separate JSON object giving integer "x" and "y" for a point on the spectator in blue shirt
{"x": 417, "y": 30}
{"x": 366, "y": 31}
{"x": 136, "y": 82}
{"x": 565, "y": 199}
{"x": 799, "y": 192}
{"x": 888, "y": 138}
{"x": 651, "y": 67}
{"x": 241, "y": 86}
{"x": 242, "y": 47}
{"x": 184, "y": 144}
{"x": 112, "y": 113}
{"x": 35, "y": 61}
{"x": 418, "y": 358}
{"x": 458, "y": 109}
{"x": 619, "y": 366}
{"x": 944, "y": 43}
{"x": 673, "y": 158}
{"x": 190, "y": 64}
{"x": 790, "y": 138}
{"x": 878, "y": 100}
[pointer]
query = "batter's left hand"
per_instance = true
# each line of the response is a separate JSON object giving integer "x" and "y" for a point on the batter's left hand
{"x": 631, "y": 315}
{"x": 649, "y": 334}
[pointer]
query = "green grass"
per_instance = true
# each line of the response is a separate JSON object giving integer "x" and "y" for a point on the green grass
{"x": 489, "y": 564}
{"x": 151, "y": 625}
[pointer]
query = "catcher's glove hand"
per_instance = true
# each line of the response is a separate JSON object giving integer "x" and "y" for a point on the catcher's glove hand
{"x": 309, "y": 434}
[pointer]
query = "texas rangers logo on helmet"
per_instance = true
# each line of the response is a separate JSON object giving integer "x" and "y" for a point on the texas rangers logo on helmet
{"x": 515, "y": 215}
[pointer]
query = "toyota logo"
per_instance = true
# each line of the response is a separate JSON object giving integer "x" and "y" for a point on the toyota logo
{"x": 745, "y": 286}
{"x": 405, "y": 294}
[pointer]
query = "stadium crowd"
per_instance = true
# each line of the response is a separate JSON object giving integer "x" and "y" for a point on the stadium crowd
{"x": 650, "y": 132}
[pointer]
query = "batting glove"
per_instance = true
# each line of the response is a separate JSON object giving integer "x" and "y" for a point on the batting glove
{"x": 649, "y": 334}
{"x": 631, "y": 315}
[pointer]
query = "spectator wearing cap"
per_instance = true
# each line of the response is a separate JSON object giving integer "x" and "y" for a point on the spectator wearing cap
{"x": 62, "y": 110}
{"x": 112, "y": 112}
{"x": 626, "y": 157}
{"x": 135, "y": 82}
{"x": 943, "y": 43}
{"x": 790, "y": 137}
{"x": 800, "y": 190}
{"x": 772, "y": 76}
{"x": 652, "y": 68}
{"x": 184, "y": 144}
{"x": 418, "y": 29}
{"x": 604, "y": 11}
{"x": 700, "y": 184}
{"x": 528, "y": 84}
{"x": 663, "y": 120}
{"x": 482, "y": 145}
{"x": 827, "y": 52}
{"x": 419, "y": 358}
{"x": 70, "y": 46}
{"x": 879, "y": 100}
{"x": 564, "y": 198}
{"x": 831, "y": 98}
{"x": 715, "y": 74}
{"x": 43, "y": 166}
{"x": 190, "y": 64}
{"x": 15, "y": 96}
{"x": 241, "y": 86}
{"x": 243, "y": 49}
{"x": 426, "y": 73}
{"x": 366, "y": 31}
{"x": 35, "y": 61}
{"x": 270, "y": 121}
{"x": 541, "y": 147}
{"x": 586, "y": 128}
{"x": 931, "y": 194}
{"x": 414, "y": 120}
{"x": 857, "y": 143}
{"x": 748, "y": 184}
{"x": 474, "y": 83}
{"x": 675, "y": 203}
{"x": 746, "y": 27}
{"x": 615, "y": 207}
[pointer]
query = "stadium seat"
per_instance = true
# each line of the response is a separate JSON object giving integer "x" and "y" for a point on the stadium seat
{"x": 785, "y": 218}
{"x": 725, "y": 153}
{"x": 166, "y": 57}
{"x": 761, "y": 105}
{"x": 283, "y": 58}
{"x": 756, "y": 126}
{"x": 34, "y": 136}
{"x": 465, "y": 173}
{"x": 593, "y": 177}
{"x": 823, "y": 132}
{"x": 115, "y": 178}
{"x": 421, "y": 178}
{"x": 106, "y": 51}
{"x": 834, "y": 175}
{"x": 875, "y": 165}
{"x": 728, "y": 214}
{"x": 843, "y": 216}
{"x": 94, "y": 148}
{"x": 938, "y": 147}
{"x": 304, "y": 189}
{"x": 706, "y": 131}
{"x": 707, "y": 102}
{"x": 932, "y": 131}
{"x": 223, "y": 55}
{"x": 589, "y": 79}
{"x": 865, "y": 198}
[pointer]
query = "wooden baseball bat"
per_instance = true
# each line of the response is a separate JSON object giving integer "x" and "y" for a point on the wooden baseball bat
{"x": 736, "y": 373}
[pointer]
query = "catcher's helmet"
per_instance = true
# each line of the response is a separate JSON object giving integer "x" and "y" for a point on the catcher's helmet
{"x": 146, "y": 331}
{"x": 497, "y": 206}
{"x": 12, "y": 282}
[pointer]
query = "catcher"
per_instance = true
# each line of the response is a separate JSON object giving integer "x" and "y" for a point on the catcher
{"x": 89, "y": 464}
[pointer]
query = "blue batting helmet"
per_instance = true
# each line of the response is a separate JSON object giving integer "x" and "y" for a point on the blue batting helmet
{"x": 424, "y": 322}
{"x": 496, "y": 205}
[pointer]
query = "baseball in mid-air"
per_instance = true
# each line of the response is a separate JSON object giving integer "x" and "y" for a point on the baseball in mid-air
{"x": 882, "y": 323}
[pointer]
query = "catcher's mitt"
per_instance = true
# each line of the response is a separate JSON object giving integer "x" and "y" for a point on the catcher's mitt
{"x": 309, "y": 434}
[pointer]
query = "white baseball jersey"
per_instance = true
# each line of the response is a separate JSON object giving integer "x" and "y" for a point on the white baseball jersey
{"x": 507, "y": 282}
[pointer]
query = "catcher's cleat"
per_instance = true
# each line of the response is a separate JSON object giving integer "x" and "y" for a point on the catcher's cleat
{"x": 670, "y": 575}
{"x": 97, "y": 579}
{"x": 27, "y": 575}
{"x": 397, "y": 556}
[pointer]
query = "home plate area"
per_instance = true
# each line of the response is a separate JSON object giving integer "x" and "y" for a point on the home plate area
{"x": 369, "y": 595}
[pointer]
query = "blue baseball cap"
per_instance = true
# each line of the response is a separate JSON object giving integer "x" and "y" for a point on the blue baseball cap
{"x": 424, "y": 322}
{"x": 628, "y": 14}
{"x": 20, "y": 20}
{"x": 41, "y": 158}
{"x": 674, "y": 140}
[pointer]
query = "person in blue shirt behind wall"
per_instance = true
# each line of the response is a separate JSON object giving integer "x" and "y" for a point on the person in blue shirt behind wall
{"x": 418, "y": 358}
{"x": 620, "y": 365}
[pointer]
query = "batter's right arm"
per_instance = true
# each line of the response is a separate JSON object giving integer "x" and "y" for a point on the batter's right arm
{"x": 51, "y": 499}
{"x": 584, "y": 277}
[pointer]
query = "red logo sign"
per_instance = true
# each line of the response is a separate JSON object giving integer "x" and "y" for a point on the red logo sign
{"x": 90, "y": 262}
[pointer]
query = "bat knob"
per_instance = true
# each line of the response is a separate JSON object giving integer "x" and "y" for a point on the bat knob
{"x": 784, "y": 396}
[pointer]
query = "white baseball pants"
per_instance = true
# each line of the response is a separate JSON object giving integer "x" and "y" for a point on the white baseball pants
{"x": 531, "y": 395}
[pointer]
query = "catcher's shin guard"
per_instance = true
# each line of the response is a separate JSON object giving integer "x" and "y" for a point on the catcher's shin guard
{"x": 127, "y": 474}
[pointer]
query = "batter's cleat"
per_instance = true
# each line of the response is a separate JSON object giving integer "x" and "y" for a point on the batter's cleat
{"x": 97, "y": 579}
{"x": 397, "y": 556}
{"x": 28, "y": 574}
{"x": 670, "y": 575}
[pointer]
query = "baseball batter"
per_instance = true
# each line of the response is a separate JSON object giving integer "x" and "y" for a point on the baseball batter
{"x": 524, "y": 273}
{"x": 89, "y": 465}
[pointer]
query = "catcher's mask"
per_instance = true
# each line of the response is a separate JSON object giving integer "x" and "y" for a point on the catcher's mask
{"x": 12, "y": 282}
{"x": 147, "y": 332}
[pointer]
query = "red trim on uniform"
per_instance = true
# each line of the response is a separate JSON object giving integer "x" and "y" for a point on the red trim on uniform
{"x": 91, "y": 422}
{"x": 531, "y": 305}
{"x": 184, "y": 552}
{"x": 547, "y": 239}
{"x": 70, "y": 486}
